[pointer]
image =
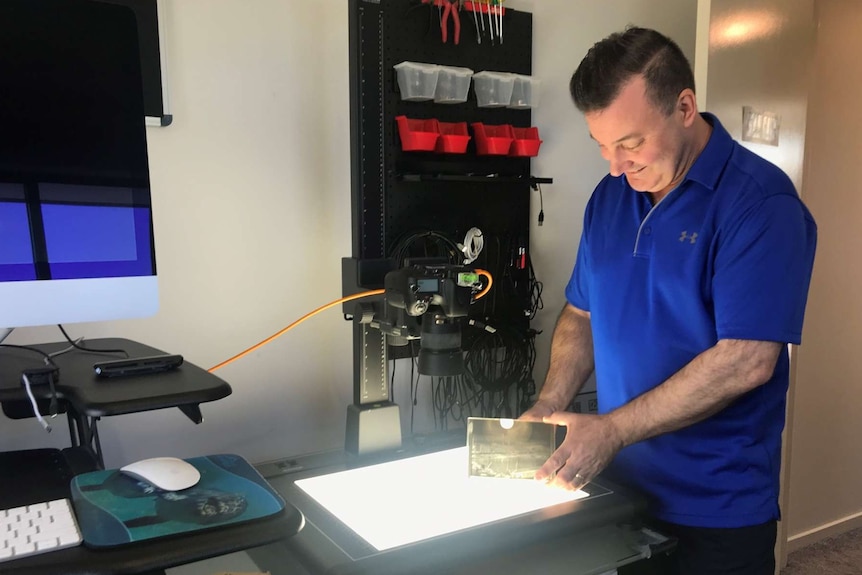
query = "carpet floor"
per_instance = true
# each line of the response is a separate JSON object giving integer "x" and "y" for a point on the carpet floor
{"x": 839, "y": 555}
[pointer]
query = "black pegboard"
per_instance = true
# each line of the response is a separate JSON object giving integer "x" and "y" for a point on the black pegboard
{"x": 396, "y": 193}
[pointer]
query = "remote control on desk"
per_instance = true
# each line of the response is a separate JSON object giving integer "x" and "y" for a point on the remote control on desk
{"x": 138, "y": 365}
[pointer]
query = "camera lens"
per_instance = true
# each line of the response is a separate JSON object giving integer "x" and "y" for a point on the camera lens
{"x": 440, "y": 347}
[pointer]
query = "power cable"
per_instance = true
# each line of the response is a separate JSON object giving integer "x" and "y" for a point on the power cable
{"x": 76, "y": 345}
{"x": 352, "y": 297}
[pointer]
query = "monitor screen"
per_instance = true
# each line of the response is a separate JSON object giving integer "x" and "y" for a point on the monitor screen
{"x": 75, "y": 210}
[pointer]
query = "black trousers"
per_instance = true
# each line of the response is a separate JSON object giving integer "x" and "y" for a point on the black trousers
{"x": 711, "y": 551}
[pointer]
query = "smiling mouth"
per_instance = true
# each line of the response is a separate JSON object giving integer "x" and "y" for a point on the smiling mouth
{"x": 636, "y": 172}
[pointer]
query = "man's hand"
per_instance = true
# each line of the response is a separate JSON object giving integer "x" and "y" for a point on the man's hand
{"x": 540, "y": 410}
{"x": 591, "y": 443}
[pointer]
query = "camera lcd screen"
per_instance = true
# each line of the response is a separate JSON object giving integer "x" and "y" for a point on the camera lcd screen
{"x": 428, "y": 285}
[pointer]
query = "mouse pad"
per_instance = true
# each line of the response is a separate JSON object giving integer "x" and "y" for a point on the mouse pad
{"x": 115, "y": 509}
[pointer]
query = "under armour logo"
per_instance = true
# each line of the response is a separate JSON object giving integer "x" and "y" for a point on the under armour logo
{"x": 691, "y": 238}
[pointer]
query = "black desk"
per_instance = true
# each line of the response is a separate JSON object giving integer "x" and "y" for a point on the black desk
{"x": 45, "y": 474}
{"x": 87, "y": 397}
{"x": 593, "y": 535}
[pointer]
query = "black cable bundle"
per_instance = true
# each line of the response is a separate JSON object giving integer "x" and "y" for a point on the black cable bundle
{"x": 499, "y": 361}
{"x": 449, "y": 400}
{"x": 500, "y": 366}
{"x": 516, "y": 290}
{"x": 535, "y": 290}
{"x": 498, "y": 379}
{"x": 433, "y": 244}
{"x": 496, "y": 360}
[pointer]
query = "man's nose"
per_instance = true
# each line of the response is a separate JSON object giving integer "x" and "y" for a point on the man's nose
{"x": 619, "y": 163}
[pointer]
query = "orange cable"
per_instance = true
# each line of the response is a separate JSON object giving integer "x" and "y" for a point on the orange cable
{"x": 482, "y": 293}
{"x": 294, "y": 324}
{"x": 278, "y": 334}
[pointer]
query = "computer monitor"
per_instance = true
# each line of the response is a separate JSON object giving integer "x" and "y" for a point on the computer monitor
{"x": 76, "y": 230}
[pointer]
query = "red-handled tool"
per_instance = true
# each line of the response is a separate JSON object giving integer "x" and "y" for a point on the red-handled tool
{"x": 450, "y": 7}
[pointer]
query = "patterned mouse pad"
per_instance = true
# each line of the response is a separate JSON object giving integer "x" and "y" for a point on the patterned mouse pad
{"x": 115, "y": 509}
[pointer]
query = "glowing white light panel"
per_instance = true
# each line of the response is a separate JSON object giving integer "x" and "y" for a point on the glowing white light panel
{"x": 409, "y": 500}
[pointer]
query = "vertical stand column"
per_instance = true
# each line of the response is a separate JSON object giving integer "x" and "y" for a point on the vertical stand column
{"x": 373, "y": 421}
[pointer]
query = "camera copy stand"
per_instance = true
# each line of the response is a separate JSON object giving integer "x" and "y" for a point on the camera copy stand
{"x": 373, "y": 421}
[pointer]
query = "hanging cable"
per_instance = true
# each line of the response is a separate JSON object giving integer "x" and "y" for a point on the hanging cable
{"x": 36, "y": 412}
{"x": 487, "y": 288}
{"x": 472, "y": 246}
{"x": 535, "y": 288}
{"x": 436, "y": 241}
{"x": 541, "y": 205}
{"x": 76, "y": 345}
{"x": 278, "y": 334}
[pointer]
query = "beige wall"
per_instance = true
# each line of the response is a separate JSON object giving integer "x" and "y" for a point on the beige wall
{"x": 820, "y": 150}
{"x": 758, "y": 54}
{"x": 826, "y": 461}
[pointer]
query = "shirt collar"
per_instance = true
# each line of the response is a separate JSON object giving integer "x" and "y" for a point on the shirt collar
{"x": 709, "y": 165}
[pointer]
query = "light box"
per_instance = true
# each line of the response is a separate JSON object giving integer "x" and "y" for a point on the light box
{"x": 410, "y": 500}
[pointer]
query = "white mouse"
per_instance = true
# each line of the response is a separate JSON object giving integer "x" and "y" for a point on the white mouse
{"x": 167, "y": 473}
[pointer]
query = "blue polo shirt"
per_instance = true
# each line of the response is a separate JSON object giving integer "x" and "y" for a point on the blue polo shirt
{"x": 726, "y": 255}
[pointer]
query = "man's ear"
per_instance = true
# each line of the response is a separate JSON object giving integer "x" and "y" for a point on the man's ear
{"x": 686, "y": 105}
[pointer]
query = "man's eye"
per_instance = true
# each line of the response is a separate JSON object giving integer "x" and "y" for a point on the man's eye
{"x": 632, "y": 147}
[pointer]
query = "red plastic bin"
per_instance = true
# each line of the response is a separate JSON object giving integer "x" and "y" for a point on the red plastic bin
{"x": 526, "y": 142}
{"x": 417, "y": 135}
{"x": 453, "y": 138}
{"x": 492, "y": 140}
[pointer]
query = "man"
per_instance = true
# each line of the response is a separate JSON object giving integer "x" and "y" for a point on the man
{"x": 690, "y": 280}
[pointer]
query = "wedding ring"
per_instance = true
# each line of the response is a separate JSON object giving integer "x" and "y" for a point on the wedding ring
{"x": 580, "y": 478}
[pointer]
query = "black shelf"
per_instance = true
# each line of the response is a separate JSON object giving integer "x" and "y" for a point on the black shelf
{"x": 475, "y": 178}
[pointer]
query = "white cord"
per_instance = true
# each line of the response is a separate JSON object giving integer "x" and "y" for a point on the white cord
{"x": 472, "y": 246}
{"x": 67, "y": 350}
{"x": 480, "y": 325}
{"x": 41, "y": 419}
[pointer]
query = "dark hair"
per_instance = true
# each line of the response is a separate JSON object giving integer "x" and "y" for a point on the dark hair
{"x": 612, "y": 62}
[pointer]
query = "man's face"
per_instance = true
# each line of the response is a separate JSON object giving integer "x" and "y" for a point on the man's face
{"x": 639, "y": 140}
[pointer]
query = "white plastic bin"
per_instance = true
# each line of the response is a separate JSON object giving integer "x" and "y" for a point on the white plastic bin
{"x": 453, "y": 85}
{"x": 525, "y": 92}
{"x": 417, "y": 81}
{"x": 493, "y": 89}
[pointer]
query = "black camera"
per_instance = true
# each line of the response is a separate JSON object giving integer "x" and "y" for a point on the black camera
{"x": 439, "y": 294}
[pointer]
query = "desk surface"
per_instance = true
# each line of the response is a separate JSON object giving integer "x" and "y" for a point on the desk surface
{"x": 96, "y": 397}
{"x": 586, "y": 529}
{"x": 144, "y": 557}
{"x": 135, "y": 558}
{"x": 44, "y": 476}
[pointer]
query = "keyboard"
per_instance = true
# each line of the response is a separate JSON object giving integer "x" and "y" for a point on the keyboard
{"x": 37, "y": 528}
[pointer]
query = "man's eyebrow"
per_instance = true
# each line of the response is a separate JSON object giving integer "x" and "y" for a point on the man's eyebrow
{"x": 624, "y": 138}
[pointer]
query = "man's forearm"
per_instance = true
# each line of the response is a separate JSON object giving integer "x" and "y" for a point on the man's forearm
{"x": 705, "y": 386}
{"x": 572, "y": 359}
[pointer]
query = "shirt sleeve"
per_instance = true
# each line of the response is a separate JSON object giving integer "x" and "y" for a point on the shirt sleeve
{"x": 762, "y": 271}
{"x": 578, "y": 288}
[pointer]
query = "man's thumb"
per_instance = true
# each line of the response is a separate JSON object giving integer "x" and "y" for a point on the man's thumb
{"x": 557, "y": 418}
